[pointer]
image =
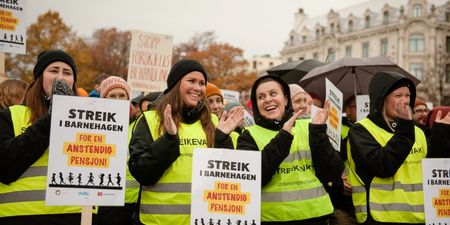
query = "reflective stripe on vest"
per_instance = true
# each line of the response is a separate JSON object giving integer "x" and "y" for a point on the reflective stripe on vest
{"x": 132, "y": 186}
{"x": 294, "y": 185}
{"x": 396, "y": 199}
{"x": 168, "y": 201}
{"x": 26, "y": 196}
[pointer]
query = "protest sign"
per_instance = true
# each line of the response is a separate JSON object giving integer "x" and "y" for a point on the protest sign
{"x": 334, "y": 122}
{"x": 226, "y": 187}
{"x": 150, "y": 61}
{"x": 13, "y": 30}
{"x": 436, "y": 190}
{"x": 88, "y": 151}
{"x": 362, "y": 106}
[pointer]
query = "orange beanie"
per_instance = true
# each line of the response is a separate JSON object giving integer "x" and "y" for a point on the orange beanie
{"x": 212, "y": 89}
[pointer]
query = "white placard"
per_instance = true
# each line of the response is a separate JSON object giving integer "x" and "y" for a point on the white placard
{"x": 362, "y": 107}
{"x": 230, "y": 96}
{"x": 436, "y": 189}
{"x": 13, "y": 30}
{"x": 88, "y": 151}
{"x": 334, "y": 122}
{"x": 226, "y": 187}
{"x": 150, "y": 61}
{"x": 248, "y": 119}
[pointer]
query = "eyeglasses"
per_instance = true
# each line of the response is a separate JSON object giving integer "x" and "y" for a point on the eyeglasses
{"x": 421, "y": 111}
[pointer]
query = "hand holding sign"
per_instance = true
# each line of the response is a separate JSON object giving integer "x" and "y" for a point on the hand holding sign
{"x": 322, "y": 114}
{"x": 60, "y": 87}
{"x": 169, "y": 125}
{"x": 230, "y": 120}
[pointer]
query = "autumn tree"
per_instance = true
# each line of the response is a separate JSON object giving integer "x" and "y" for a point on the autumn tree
{"x": 110, "y": 50}
{"x": 224, "y": 63}
{"x": 49, "y": 32}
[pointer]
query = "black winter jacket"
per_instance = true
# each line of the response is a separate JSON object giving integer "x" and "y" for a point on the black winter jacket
{"x": 149, "y": 158}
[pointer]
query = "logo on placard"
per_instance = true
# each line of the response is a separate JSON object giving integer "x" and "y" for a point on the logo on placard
{"x": 99, "y": 193}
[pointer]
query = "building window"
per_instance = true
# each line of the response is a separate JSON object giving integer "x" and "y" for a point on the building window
{"x": 348, "y": 51}
{"x": 416, "y": 43}
{"x": 447, "y": 44}
{"x": 447, "y": 15}
{"x": 365, "y": 49}
{"x": 350, "y": 26}
{"x": 254, "y": 65}
{"x": 316, "y": 55}
{"x": 384, "y": 47}
{"x": 301, "y": 58}
{"x": 367, "y": 22}
{"x": 386, "y": 17}
{"x": 416, "y": 69}
{"x": 417, "y": 10}
{"x": 317, "y": 34}
{"x": 304, "y": 38}
{"x": 447, "y": 74}
{"x": 331, "y": 55}
{"x": 271, "y": 64}
{"x": 332, "y": 29}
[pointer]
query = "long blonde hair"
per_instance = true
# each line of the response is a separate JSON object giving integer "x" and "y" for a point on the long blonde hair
{"x": 173, "y": 98}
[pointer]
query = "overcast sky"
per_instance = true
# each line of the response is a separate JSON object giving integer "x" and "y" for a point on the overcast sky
{"x": 256, "y": 26}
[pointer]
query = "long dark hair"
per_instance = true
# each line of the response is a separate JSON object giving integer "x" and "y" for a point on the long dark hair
{"x": 35, "y": 99}
{"x": 173, "y": 98}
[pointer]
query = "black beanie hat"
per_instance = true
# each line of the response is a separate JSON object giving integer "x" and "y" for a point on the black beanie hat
{"x": 180, "y": 69}
{"x": 45, "y": 58}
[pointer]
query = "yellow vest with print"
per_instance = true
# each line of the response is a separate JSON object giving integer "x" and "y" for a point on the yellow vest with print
{"x": 396, "y": 199}
{"x": 168, "y": 201}
{"x": 26, "y": 196}
{"x": 132, "y": 186}
{"x": 294, "y": 193}
{"x": 344, "y": 131}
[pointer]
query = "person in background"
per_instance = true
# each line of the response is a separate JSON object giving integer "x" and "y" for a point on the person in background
{"x": 299, "y": 100}
{"x": 96, "y": 92}
{"x": 385, "y": 155}
{"x": 215, "y": 99}
{"x": 161, "y": 148}
{"x": 244, "y": 97}
{"x": 290, "y": 196}
{"x": 115, "y": 87}
{"x": 24, "y": 141}
{"x": 439, "y": 129}
{"x": 420, "y": 111}
{"x": 135, "y": 103}
{"x": 12, "y": 92}
{"x": 149, "y": 100}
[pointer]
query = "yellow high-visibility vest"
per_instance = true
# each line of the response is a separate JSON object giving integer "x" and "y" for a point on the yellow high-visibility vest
{"x": 132, "y": 186}
{"x": 396, "y": 199}
{"x": 26, "y": 196}
{"x": 294, "y": 193}
{"x": 169, "y": 200}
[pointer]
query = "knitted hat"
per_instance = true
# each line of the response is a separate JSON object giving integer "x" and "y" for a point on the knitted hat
{"x": 180, "y": 69}
{"x": 295, "y": 89}
{"x": 45, "y": 58}
{"x": 113, "y": 82}
{"x": 419, "y": 102}
{"x": 212, "y": 89}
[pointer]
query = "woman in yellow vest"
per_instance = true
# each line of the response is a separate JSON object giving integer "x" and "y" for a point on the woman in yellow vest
{"x": 297, "y": 157}
{"x": 163, "y": 141}
{"x": 115, "y": 87}
{"x": 385, "y": 152}
{"x": 24, "y": 140}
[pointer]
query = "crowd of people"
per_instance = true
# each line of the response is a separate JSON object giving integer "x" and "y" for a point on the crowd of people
{"x": 375, "y": 178}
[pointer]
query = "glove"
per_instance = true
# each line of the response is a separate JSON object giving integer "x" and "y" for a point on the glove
{"x": 60, "y": 87}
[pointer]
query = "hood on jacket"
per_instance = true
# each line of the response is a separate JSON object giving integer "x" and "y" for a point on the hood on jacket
{"x": 381, "y": 85}
{"x": 260, "y": 120}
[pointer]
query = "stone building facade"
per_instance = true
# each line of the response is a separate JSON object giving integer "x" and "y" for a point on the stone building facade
{"x": 415, "y": 34}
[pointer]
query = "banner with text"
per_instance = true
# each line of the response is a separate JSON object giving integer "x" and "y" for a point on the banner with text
{"x": 88, "y": 151}
{"x": 13, "y": 30}
{"x": 334, "y": 122}
{"x": 436, "y": 189}
{"x": 150, "y": 61}
{"x": 362, "y": 106}
{"x": 226, "y": 187}
{"x": 230, "y": 96}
